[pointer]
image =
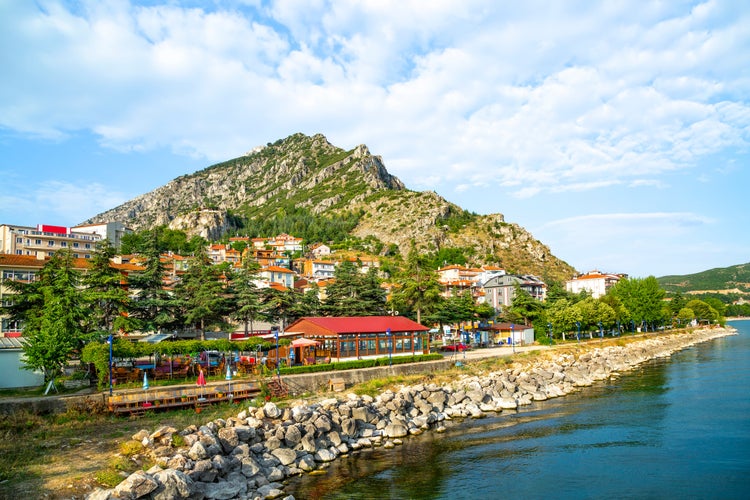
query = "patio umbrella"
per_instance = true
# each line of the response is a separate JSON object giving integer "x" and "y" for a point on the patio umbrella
{"x": 145, "y": 388}
{"x": 229, "y": 379}
{"x": 201, "y": 382}
{"x": 303, "y": 342}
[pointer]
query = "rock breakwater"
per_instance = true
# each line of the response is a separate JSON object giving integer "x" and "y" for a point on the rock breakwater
{"x": 249, "y": 456}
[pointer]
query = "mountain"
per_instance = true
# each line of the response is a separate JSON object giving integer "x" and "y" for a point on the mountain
{"x": 302, "y": 174}
{"x": 726, "y": 280}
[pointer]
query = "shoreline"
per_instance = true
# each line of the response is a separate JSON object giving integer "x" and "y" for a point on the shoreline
{"x": 251, "y": 455}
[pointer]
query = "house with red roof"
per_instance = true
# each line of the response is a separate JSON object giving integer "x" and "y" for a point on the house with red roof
{"x": 341, "y": 338}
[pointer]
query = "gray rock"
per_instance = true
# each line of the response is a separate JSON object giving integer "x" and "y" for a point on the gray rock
{"x": 269, "y": 491}
{"x": 224, "y": 490}
{"x": 249, "y": 467}
{"x": 285, "y": 455}
{"x": 270, "y": 410}
{"x": 136, "y": 485}
{"x": 203, "y": 471}
{"x": 324, "y": 455}
{"x": 228, "y": 439}
{"x": 172, "y": 484}
{"x": 396, "y": 430}
{"x": 307, "y": 463}
{"x": 198, "y": 451}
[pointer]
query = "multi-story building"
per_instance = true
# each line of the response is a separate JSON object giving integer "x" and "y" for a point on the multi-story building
{"x": 457, "y": 279}
{"x": 112, "y": 231}
{"x": 594, "y": 282}
{"x": 280, "y": 275}
{"x": 44, "y": 240}
{"x": 318, "y": 269}
{"x": 500, "y": 290}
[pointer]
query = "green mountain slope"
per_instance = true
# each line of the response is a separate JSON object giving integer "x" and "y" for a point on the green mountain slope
{"x": 732, "y": 279}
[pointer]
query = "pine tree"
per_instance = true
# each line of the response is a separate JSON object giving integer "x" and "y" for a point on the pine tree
{"x": 419, "y": 288}
{"x": 105, "y": 292}
{"x": 153, "y": 308}
{"x": 202, "y": 296}
{"x": 246, "y": 296}
{"x": 354, "y": 294}
{"x": 54, "y": 315}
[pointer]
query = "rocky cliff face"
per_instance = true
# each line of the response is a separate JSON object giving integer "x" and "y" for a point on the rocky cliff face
{"x": 309, "y": 173}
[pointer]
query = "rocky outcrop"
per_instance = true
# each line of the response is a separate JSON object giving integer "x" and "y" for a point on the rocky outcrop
{"x": 250, "y": 455}
{"x": 308, "y": 173}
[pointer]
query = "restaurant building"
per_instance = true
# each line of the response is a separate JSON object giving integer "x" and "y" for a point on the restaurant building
{"x": 342, "y": 338}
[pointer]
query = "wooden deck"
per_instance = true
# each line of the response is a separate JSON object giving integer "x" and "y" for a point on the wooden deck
{"x": 135, "y": 402}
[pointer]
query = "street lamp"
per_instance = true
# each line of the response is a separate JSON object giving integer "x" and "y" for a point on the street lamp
{"x": 278, "y": 361}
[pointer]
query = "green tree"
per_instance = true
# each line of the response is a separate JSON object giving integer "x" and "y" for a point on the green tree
{"x": 642, "y": 297}
{"x": 153, "y": 308}
{"x": 677, "y": 303}
{"x": 702, "y": 310}
{"x": 685, "y": 316}
{"x": 564, "y": 316}
{"x": 524, "y": 308}
{"x": 202, "y": 294}
{"x": 719, "y": 306}
{"x": 105, "y": 292}
{"x": 279, "y": 305}
{"x": 54, "y": 314}
{"x": 418, "y": 289}
{"x": 246, "y": 297}
{"x": 354, "y": 294}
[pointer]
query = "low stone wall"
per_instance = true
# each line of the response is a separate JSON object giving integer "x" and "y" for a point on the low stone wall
{"x": 250, "y": 455}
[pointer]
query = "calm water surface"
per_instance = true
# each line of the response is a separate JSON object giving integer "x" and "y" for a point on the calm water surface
{"x": 675, "y": 428}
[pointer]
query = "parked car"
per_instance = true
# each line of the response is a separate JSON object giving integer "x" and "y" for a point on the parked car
{"x": 455, "y": 347}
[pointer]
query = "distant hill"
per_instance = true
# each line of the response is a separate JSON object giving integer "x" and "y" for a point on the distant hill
{"x": 724, "y": 280}
{"x": 321, "y": 185}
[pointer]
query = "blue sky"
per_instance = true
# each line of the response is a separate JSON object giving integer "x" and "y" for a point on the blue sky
{"x": 616, "y": 132}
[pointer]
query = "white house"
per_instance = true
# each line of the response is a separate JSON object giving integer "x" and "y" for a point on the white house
{"x": 594, "y": 282}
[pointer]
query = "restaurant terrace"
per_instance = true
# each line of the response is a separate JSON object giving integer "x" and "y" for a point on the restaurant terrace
{"x": 342, "y": 338}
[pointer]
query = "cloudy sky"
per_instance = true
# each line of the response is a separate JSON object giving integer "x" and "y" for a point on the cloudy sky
{"x": 616, "y": 132}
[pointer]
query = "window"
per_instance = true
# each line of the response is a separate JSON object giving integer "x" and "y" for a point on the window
{"x": 63, "y": 244}
{"x": 50, "y": 243}
{"x": 88, "y": 245}
{"x": 19, "y": 240}
{"x": 37, "y": 242}
{"x": 75, "y": 244}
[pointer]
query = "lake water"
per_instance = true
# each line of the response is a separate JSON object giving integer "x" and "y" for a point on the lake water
{"x": 674, "y": 428}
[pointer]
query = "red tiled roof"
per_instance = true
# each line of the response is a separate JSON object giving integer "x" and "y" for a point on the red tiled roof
{"x": 361, "y": 324}
{"x": 32, "y": 261}
{"x": 278, "y": 269}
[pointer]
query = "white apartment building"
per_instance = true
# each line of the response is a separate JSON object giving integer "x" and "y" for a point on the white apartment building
{"x": 594, "y": 282}
{"x": 44, "y": 240}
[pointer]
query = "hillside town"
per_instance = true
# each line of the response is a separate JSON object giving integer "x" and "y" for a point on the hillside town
{"x": 323, "y": 304}
{"x": 24, "y": 250}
